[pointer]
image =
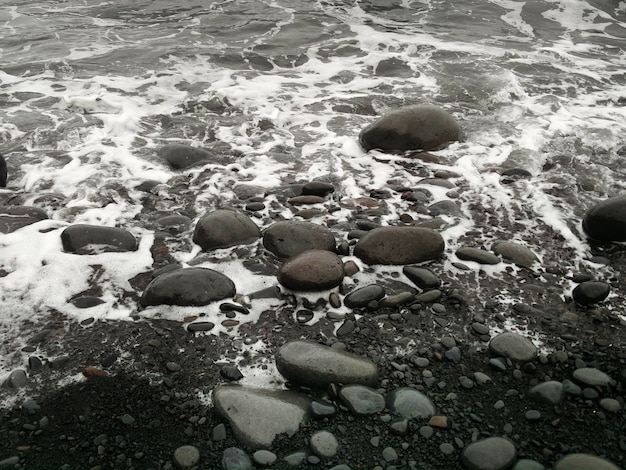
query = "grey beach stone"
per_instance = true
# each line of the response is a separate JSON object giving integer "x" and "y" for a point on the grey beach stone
{"x": 84, "y": 239}
{"x": 291, "y": 237}
{"x": 492, "y": 453}
{"x": 606, "y": 221}
{"x": 362, "y": 400}
{"x": 223, "y": 228}
{"x": 513, "y": 346}
{"x": 584, "y": 462}
{"x": 311, "y": 270}
{"x": 399, "y": 245}
{"x": 477, "y": 255}
{"x": 516, "y": 253}
{"x": 13, "y": 218}
{"x": 410, "y": 403}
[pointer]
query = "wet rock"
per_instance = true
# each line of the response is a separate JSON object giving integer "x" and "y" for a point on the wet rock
{"x": 257, "y": 416}
{"x": 551, "y": 392}
{"x": 86, "y": 239}
{"x": 590, "y": 292}
{"x": 289, "y": 238}
{"x": 324, "y": 444}
{"x": 611, "y": 405}
{"x": 516, "y": 253}
{"x": 399, "y": 245}
{"x": 188, "y": 287}
{"x": 86, "y": 301}
{"x": 234, "y": 458}
{"x": 591, "y": 376}
{"x": 477, "y": 255}
{"x": 513, "y": 346}
{"x": 362, "y": 296}
{"x": 362, "y": 400}
{"x": 492, "y": 453}
{"x": 186, "y": 457}
{"x": 223, "y": 228}
{"x": 13, "y": 218}
{"x": 231, "y": 373}
{"x": 181, "y": 156}
{"x": 410, "y": 403}
{"x": 318, "y": 188}
{"x": 16, "y": 379}
{"x": 528, "y": 464}
{"x": 312, "y": 270}
{"x": 323, "y": 409}
{"x": 606, "y": 221}
{"x": 584, "y": 462}
{"x": 445, "y": 207}
{"x": 174, "y": 222}
{"x": 305, "y": 200}
{"x": 423, "y": 278}
{"x": 317, "y": 366}
{"x": 420, "y": 127}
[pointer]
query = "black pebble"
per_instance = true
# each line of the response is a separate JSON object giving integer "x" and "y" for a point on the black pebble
{"x": 3, "y": 172}
{"x": 231, "y": 373}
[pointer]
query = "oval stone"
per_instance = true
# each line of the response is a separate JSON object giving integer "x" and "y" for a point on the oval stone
{"x": 181, "y": 156}
{"x": 410, "y": 403}
{"x": 13, "y": 218}
{"x": 516, "y": 253}
{"x": 492, "y": 453}
{"x": 291, "y": 237}
{"x": 584, "y": 462}
{"x": 477, "y": 255}
{"x": 84, "y": 239}
{"x": 399, "y": 245}
{"x": 362, "y": 296}
{"x": 317, "y": 366}
{"x": 223, "y": 228}
{"x": 513, "y": 346}
{"x": 420, "y": 127}
{"x": 606, "y": 221}
{"x": 590, "y": 292}
{"x": 312, "y": 270}
{"x": 188, "y": 287}
{"x": 423, "y": 278}
{"x": 362, "y": 400}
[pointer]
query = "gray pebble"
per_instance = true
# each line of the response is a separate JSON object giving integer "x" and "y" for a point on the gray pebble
{"x": 446, "y": 448}
{"x": 186, "y": 456}
{"x": 390, "y": 454}
{"x": 265, "y": 458}
{"x": 324, "y": 444}
{"x": 234, "y": 458}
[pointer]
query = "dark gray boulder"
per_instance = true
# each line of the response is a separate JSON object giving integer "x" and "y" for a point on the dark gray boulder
{"x": 420, "y": 127}
{"x": 312, "y": 270}
{"x": 516, "y": 253}
{"x": 84, "y": 239}
{"x": 591, "y": 292}
{"x": 291, "y": 237}
{"x": 223, "y": 228}
{"x": 399, "y": 245}
{"x": 181, "y": 156}
{"x": 188, "y": 287}
{"x": 606, "y": 221}
{"x": 13, "y": 218}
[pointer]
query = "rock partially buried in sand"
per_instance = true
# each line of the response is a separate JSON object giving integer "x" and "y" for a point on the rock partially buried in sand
{"x": 311, "y": 271}
{"x": 399, "y": 245}
{"x": 492, "y": 453}
{"x": 86, "y": 239}
{"x": 317, "y": 366}
{"x": 188, "y": 287}
{"x": 584, "y": 462}
{"x": 420, "y": 127}
{"x": 223, "y": 228}
{"x": 606, "y": 221}
{"x": 291, "y": 237}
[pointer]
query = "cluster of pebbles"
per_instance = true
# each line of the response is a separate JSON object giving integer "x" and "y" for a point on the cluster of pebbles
{"x": 370, "y": 389}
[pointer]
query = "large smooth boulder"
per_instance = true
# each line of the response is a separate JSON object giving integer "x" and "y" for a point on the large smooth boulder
{"x": 223, "y": 228}
{"x": 317, "y": 366}
{"x": 399, "y": 245}
{"x": 312, "y": 270}
{"x": 84, "y": 239}
{"x": 188, "y": 287}
{"x": 291, "y": 237}
{"x": 420, "y": 127}
{"x": 606, "y": 221}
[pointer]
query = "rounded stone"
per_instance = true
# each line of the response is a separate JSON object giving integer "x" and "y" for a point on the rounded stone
{"x": 611, "y": 405}
{"x": 584, "y": 462}
{"x": 188, "y": 287}
{"x": 592, "y": 376}
{"x": 423, "y": 278}
{"x": 550, "y": 392}
{"x": 528, "y": 464}
{"x": 234, "y": 458}
{"x": 606, "y": 221}
{"x": 513, "y": 346}
{"x": 410, "y": 403}
{"x": 312, "y": 270}
{"x": 477, "y": 255}
{"x": 264, "y": 458}
{"x": 291, "y": 237}
{"x": 362, "y": 296}
{"x": 186, "y": 457}
{"x": 84, "y": 239}
{"x": 492, "y": 453}
{"x": 13, "y": 218}
{"x": 420, "y": 127}
{"x": 399, "y": 245}
{"x": 223, "y": 228}
{"x": 590, "y": 292}
{"x": 362, "y": 400}
{"x": 181, "y": 156}
{"x": 324, "y": 444}
{"x": 516, "y": 253}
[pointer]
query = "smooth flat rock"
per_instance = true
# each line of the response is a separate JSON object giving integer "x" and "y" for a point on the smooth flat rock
{"x": 550, "y": 392}
{"x": 420, "y": 127}
{"x": 291, "y": 237}
{"x": 514, "y": 346}
{"x": 362, "y": 400}
{"x": 223, "y": 228}
{"x": 590, "y": 292}
{"x": 318, "y": 188}
{"x": 317, "y": 366}
{"x": 516, "y": 253}
{"x": 399, "y": 245}
{"x": 188, "y": 287}
{"x": 584, "y": 462}
{"x": 362, "y": 296}
{"x": 84, "y": 239}
{"x": 423, "y": 278}
{"x": 410, "y": 403}
{"x": 492, "y": 453}
{"x": 606, "y": 221}
{"x": 311, "y": 270}
{"x": 257, "y": 416}
{"x": 478, "y": 255}
{"x": 592, "y": 376}
{"x": 13, "y": 218}
{"x": 181, "y": 156}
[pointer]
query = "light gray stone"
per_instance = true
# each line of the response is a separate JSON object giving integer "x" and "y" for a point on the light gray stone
{"x": 186, "y": 457}
{"x": 584, "y": 462}
{"x": 324, "y": 444}
{"x": 592, "y": 376}
{"x": 362, "y": 400}
{"x": 492, "y": 453}
{"x": 410, "y": 403}
{"x": 551, "y": 392}
{"x": 513, "y": 346}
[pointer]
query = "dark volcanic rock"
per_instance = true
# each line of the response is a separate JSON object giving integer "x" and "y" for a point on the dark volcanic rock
{"x": 550, "y": 392}
{"x": 477, "y": 255}
{"x": 223, "y": 228}
{"x": 423, "y": 278}
{"x": 606, "y": 221}
{"x": 317, "y": 366}
{"x": 85, "y": 239}
{"x": 362, "y": 296}
{"x": 513, "y": 346}
{"x": 591, "y": 292}
{"x": 493, "y": 453}
{"x": 189, "y": 286}
{"x": 180, "y": 156}
{"x": 399, "y": 245}
{"x": 420, "y": 127}
{"x": 318, "y": 188}
{"x": 289, "y": 238}
{"x": 312, "y": 270}
{"x": 16, "y": 217}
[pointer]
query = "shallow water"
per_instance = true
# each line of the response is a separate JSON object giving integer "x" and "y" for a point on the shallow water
{"x": 90, "y": 90}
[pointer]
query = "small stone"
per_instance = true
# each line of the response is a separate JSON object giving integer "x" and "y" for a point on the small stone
{"x": 323, "y": 409}
{"x": 438, "y": 422}
{"x": 551, "y": 392}
{"x": 362, "y": 400}
{"x": 231, "y": 373}
{"x": 324, "y": 444}
{"x": 127, "y": 419}
{"x": 264, "y": 458}
{"x": 584, "y": 462}
{"x": 592, "y": 376}
{"x": 477, "y": 255}
{"x": 234, "y": 458}
{"x": 532, "y": 415}
{"x": 390, "y": 454}
{"x": 611, "y": 405}
{"x": 447, "y": 448}
{"x": 513, "y": 346}
{"x": 173, "y": 366}
{"x": 363, "y": 295}
{"x": 492, "y": 453}
{"x": 186, "y": 457}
